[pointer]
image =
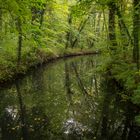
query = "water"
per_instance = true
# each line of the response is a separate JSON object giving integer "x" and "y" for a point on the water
{"x": 66, "y": 100}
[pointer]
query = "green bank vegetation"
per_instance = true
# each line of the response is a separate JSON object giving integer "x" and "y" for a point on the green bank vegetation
{"x": 33, "y": 30}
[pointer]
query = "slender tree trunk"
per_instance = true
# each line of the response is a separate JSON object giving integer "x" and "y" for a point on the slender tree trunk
{"x": 82, "y": 26}
{"x": 0, "y": 23}
{"x": 20, "y": 39}
{"x": 98, "y": 27}
{"x": 105, "y": 24}
{"x": 94, "y": 23}
{"x": 42, "y": 18}
{"x": 123, "y": 25}
{"x": 37, "y": 20}
{"x": 0, "y": 19}
{"x": 68, "y": 35}
{"x": 136, "y": 28}
{"x": 42, "y": 15}
{"x": 112, "y": 35}
{"x": 125, "y": 37}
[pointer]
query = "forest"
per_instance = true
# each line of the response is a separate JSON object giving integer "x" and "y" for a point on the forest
{"x": 70, "y": 69}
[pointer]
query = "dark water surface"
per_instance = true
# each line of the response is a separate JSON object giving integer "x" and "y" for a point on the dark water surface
{"x": 66, "y": 100}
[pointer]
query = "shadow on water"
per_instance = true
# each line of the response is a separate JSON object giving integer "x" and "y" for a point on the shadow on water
{"x": 66, "y": 100}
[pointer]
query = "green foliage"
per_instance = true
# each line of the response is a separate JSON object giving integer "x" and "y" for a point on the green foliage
{"x": 136, "y": 96}
{"x": 137, "y": 118}
{"x": 35, "y": 30}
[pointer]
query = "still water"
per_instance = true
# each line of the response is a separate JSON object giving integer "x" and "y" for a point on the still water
{"x": 66, "y": 100}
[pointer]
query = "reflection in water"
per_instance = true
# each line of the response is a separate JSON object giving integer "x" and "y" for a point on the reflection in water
{"x": 66, "y": 100}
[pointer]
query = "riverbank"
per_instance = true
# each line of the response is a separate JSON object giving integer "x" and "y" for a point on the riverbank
{"x": 10, "y": 72}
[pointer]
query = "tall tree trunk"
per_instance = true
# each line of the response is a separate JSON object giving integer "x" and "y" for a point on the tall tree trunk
{"x": 42, "y": 18}
{"x": 136, "y": 27}
{"x": 42, "y": 13}
{"x": 20, "y": 39}
{"x": 82, "y": 26}
{"x": 68, "y": 35}
{"x": 0, "y": 19}
{"x": 0, "y": 23}
{"x": 123, "y": 25}
{"x": 112, "y": 34}
{"x": 98, "y": 24}
{"x": 105, "y": 24}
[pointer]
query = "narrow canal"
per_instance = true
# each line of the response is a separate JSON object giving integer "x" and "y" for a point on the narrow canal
{"x": 66, "y": 100}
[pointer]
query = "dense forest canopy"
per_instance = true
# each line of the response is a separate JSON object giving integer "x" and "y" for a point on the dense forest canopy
{"x": 33, "y": 30}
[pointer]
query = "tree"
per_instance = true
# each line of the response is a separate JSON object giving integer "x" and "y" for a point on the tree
{"x": 136, "y": 31}
{"x": 111, "y": 22}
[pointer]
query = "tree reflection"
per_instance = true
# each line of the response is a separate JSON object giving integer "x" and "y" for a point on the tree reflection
{"x": 67, "y": 100}
{"x": 22, "y": 112}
